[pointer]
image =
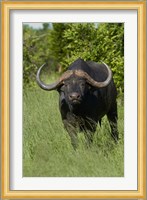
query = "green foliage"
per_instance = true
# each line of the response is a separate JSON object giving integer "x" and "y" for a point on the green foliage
{"x": 60, "y": 46}
{"x": 47, "y": 150}
{"x": 57, "y": 42}
{"x": 79, "y": 42}
{"x": 110, "y": 49}
{"x": 36, "y": 52}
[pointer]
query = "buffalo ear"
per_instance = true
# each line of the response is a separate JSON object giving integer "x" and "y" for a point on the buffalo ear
{"x": 60, "y": 88}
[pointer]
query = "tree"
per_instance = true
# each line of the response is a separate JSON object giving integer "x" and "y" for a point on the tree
{"x": 110, "y": 49}
{"x": 36, "y": 51}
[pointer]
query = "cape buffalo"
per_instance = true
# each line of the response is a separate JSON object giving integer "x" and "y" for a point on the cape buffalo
{"x": 86, "y": 93}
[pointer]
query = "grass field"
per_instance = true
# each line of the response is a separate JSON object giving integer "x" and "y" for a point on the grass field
{"x": 47, "y": 151}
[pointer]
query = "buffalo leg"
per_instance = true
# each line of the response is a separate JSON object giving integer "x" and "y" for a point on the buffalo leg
{"x": 72, "y": 133}
{"x": 112, "y": 117}
{"x": 89, "y": 137}
{"x": 89, "y": 130}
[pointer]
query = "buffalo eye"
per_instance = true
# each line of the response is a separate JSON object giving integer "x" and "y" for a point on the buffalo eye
{"x": 65, "y": 84}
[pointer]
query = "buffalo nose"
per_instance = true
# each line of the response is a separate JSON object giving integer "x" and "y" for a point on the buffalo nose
{"x": 74, "y": 96}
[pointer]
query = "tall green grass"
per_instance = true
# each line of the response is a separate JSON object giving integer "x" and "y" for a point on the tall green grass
{"x": 47, "y": 150}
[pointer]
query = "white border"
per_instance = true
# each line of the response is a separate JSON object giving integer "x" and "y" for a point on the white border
{"x": 129, "y": 181}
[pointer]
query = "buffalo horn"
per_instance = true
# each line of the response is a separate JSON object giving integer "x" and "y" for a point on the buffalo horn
{"x": 91, "y": 81}
{"x": 54, "y": 85}
{"x": 68, "y": 73}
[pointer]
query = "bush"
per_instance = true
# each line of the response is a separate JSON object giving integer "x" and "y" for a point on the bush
{"x": 36, "y": 52}
{"x": 105, "y": 43}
